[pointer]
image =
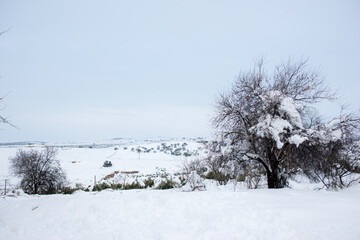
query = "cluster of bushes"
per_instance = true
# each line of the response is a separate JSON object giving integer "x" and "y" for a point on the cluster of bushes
{"x": 165, "y": 183}
{"x": 175, "y": 149}
{"x": 160, "y": 180}
{"x": 178, "y": 149}
{"x": 221, "y": 169}
{"x": 70, "y": 190}
{"x": 119, "y": 186}
{"x": 142, "y": 150}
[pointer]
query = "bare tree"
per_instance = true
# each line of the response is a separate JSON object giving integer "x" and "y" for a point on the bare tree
{"x": 40, "y": 171}
{"x": 4, "y": 119}
{"x": 265, "y": 119}
{"x": 1, "y": 33}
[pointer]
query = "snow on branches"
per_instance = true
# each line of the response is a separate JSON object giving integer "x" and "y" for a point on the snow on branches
{"x": 281, "y": 120}
{"x": 269, "y": 119}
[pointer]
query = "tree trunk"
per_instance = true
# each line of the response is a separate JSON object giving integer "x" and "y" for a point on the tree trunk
{"x": 273, "y": 173}
{"x": 274, "y": 177}
{"x": 276, "y": 180}
{"x": 270, "y": 181}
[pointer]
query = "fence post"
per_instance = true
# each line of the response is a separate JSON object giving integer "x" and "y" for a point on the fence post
{"x": 5, "y": 186}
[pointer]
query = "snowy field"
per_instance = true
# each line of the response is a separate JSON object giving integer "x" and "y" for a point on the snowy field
{"x": 172, "y": 214}
{"x": 84, "y": 163}
{"x": 229, "y": 212}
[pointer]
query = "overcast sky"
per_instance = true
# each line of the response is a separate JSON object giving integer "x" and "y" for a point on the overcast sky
{"x": 91, "y": 70}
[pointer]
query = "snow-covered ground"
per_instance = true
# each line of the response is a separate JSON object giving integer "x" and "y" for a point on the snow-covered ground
{"x": 172, "y": 214}
{"x": 84, "y": 163}
{"x": 229, "y": 212}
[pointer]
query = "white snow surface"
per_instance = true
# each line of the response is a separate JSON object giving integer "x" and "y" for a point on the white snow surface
{"x": 172, "y": 214}
{"x": 82, "y": 165}
{"x": 291, "y": 110}
{"x": 297, "y": 139}
{"x": 220, "y": 212}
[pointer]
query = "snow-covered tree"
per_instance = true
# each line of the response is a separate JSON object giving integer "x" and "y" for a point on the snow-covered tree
{"x": 270, "y": 120}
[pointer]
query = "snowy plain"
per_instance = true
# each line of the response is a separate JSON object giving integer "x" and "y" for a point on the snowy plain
{"x": 84, "y": 162}
{"x": 229, "y": 212}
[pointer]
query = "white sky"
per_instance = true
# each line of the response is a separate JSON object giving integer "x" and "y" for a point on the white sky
{"x": 88, "y": 70}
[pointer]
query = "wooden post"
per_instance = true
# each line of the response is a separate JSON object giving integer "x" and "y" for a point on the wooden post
{"x": 5, "y": 186}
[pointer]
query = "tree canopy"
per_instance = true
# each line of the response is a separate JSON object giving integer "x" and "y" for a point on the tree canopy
{"x": 40, "y": 171}
{"x": 271, "y": 120}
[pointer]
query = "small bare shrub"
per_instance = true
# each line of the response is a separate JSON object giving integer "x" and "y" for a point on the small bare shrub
{"x": 40, "y": 171}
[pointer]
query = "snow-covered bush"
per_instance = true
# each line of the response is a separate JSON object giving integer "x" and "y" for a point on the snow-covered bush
{"x": 220, "y": 166}
{"x": 196, "y": 165}
{"x": 192, "y": 176}
{"x": 253, "y": 175}
{"x": 149, "y": 182}
{"x": 167, "y": 183}
{"x": 124, "y": 186}
{"x": 194, "y": 182}
{"x": 68, "y": 190}
{"x": 134, "y": 185}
